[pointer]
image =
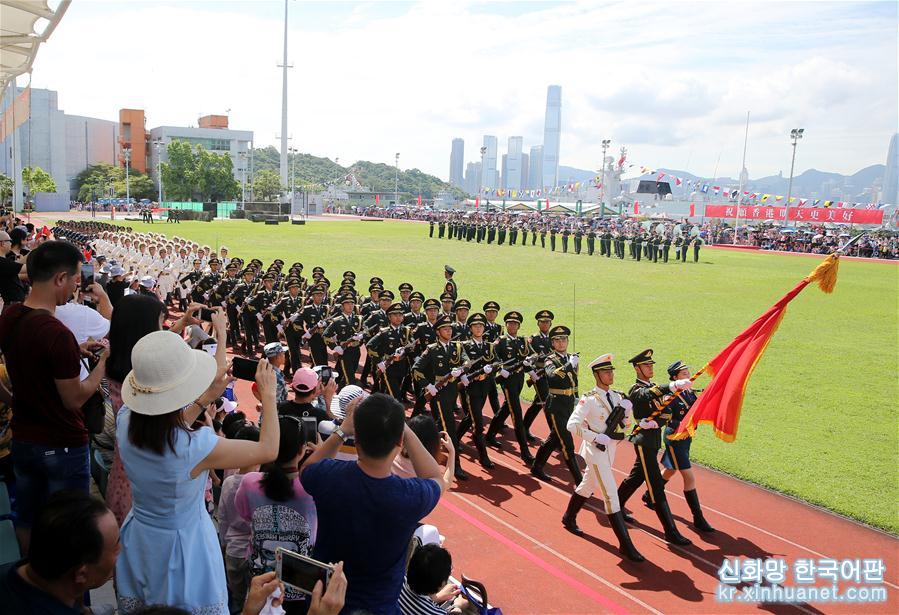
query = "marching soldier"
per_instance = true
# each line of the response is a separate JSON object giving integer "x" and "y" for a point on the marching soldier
{"x": 501, "y": 233}
{"x": 387, "y": 348}
{"x": 619, "y": 243}
{"x": 446, "y": 306}
{"x": 542, "y": 347}
{"x": 371, "y": 302}
{"x": 460, "y": 324}
{"x": 646, "y": 398}
{"x": 424, "y": 334}
{"x": 431, "y": 230}
{"x": 251, "y": 315}
{"x": 513, "y": 351}
{"x": 491, "y": 232}
{"x": 450, "y": 284}
{"x": 405, "y": 293}
{"x": 234, "y": 304}
{"x": 286, "y": 313}
{"x": 678, "y": 241}
{"x": 441, "y": 228}
{"x": 697, "y": 243}
{"x": 414, "y": 316}
{"x": 481, "y": 353}
{"x": 599, "y": 439}
{"x": 565, "y": 233}
{"x": 542, "y": 235}
{"x": 263, "y": 302}
{"x": 524, "y": 234}
{"x": 513, "y": 233}
{"x": 439, "y": 367}
{"x": 591, "y": 241}
{"x": 676, "y": 457}
{"x": 578, "y": 239}
{"x": 552, "y": 238}
{"x": 638, "y": 245}
{"x": 314, "y": 319}
{"x": 344, "y": 335}
{"x": 492, "y": 332}
{"x": 666, "y": 246}
{"x": 561, "y": 373}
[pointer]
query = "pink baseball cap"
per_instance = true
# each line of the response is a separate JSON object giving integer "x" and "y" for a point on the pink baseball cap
{"x": 304, "y": 380}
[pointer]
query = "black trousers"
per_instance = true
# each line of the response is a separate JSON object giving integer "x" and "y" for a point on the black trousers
{"x": 233, "y": 323}
{"x": 512, "y": 392}
{"x": 665, "y": 253}
{"x": 552, "y": 243}
{"x": 431, "y": 231}
{"x": 645, "y": 470}
{"x": 251, "y": 329}
{"x": 270, "y": 329}
{"x": 565, "y": 244}
{"x": 294, "y": 341}
{"x": 541, "y": 392}
{"x": 474, "y": 396}
{"x": 533, "y": 239}
{"x": 318, "y": 350}
{"x": 695, "y": 253}
{"x": 543, "y": 241}
{"x": 440, "y": 232}
{"x": 558, "y": 409}
{"x": 577, "y": 244}
{"x": 443, "y": 409}
{"x": 391, "y": 382}
{"x": 347, "y": 364}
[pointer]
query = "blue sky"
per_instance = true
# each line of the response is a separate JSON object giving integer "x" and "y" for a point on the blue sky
{"x": 672, "y": 81}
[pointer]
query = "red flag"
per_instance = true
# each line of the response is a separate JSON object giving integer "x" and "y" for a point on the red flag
{"x": 477, "y": 201}
{"x": 636, "y": 207}
{"x": 692, "y": 209}
{"x": 377, "y": 199}
{"x": 721, "y": 402}
{"x": 621, "y": 160}
{"x": 547, "y": 203}
{"x": 659, "y": 178}
{"x": 678, "y": 181}
{"x": 419, "y": 200}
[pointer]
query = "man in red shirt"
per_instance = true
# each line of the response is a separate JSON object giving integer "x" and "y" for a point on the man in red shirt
{"x": 50, "y": 441}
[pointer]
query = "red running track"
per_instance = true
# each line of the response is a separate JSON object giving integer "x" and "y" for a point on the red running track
{"x": 504, "y": 528}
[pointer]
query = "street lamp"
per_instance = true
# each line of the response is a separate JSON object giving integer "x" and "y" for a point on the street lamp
{"x": 243, "y": 183}
{"x": 795, "y": 135}
{"x": 396, "y": 181}
{"x": 127, "y": 154}
{"x": 602, "y": 177}
{"x": 481, "y": 178}
{"x": 158, "y": 143}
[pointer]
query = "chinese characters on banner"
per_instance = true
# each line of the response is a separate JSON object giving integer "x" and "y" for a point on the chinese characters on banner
{"x": 797, "y": 214}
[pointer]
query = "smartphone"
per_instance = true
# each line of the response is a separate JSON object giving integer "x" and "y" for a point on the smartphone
{"x": 299, "y": 572}
{"x": 210, "y": 346}
{"x": 206, "y": 314}
{"x": 325, "y": 373}
{"x": 87, "y": 275}
{"x": 309, "y": 429}
{"x": 244, "y": 369}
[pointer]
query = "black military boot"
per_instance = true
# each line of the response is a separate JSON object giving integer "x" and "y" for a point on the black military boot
{"x": 526, "y": 456}
{"x": 671, "y": 534}
{"x": 699, "y": 521}
{"x": 483, "y": 458}
{"x": 625, "y": 546}
{"x": 491, "y": 433}
{"x": 648, "y": 500}
{"x": 569, "y": 519}
{"x": 539, "y": 461}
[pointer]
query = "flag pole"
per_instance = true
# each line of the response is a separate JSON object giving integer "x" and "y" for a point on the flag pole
{"x": 740, "y": 193}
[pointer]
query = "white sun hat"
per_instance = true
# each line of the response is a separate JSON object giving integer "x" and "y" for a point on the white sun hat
{"x": 167, "y": 374}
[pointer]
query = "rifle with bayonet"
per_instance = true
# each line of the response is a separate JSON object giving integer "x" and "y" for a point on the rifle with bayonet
{"x": 613, "y": 422}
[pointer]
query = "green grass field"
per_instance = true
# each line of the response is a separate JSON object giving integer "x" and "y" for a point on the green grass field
{"x": 820, "y": 416}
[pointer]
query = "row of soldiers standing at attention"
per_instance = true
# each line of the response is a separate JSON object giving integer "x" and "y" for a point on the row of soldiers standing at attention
{"x": 614, "y": 239}
{"x": 436, "y": 355}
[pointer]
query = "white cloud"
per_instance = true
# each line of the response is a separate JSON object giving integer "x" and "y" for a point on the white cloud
{"x": 672, "y": 81}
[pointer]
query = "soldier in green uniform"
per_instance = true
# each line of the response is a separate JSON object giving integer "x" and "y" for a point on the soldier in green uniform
{"x": 619, "y": 244}
{"x": 405, "y": 292}
{"x": 578, "y": 238}
{"x": 438, "y": 369}
{"x": 552, "y": 237}
{"x": 481, "y": 355}
{"x": 565, "y": 233}
{"x": 388, "y": 348}
{"x": 491, "y": 232}
{"x": 286, "y": 312}
{"x": 255, "y": 308}
{"x": 591, "y": 241}
{"x": 441, "y": 228}
{"x": 666, "y": 246}
{"x": 513, "y": 233}
{"x": 638, "y": 245}
{"x": 314, "y": 319}
{"x": 501, "y": 233}
{"x": 542, "y": 235}
{"x": 424, "y": 334}
{"x": 492, "y": 332}
{"x": 414, "y": 315}
{"x": 460, "y": 324}
{"x": 697, "y": 243}
{"x": 540, "y": 345}
{"x": 524, "y": 234}
{"x": 646, "y": 398}
{"x": 235, "y": 302}
{"x": 343, "y": 335}
{"x": 513, "y": 351}
{"x": 561, "y": 373}
{"x": 449, "y": 285}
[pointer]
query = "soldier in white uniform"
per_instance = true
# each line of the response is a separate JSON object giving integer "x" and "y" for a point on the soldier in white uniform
{"x": 589, "y": 421}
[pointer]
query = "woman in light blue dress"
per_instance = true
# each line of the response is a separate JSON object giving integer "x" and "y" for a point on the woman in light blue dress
{"x": 170, "y": 551}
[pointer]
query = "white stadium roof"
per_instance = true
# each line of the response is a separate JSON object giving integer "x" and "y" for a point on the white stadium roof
{"x": 24, "y": 25}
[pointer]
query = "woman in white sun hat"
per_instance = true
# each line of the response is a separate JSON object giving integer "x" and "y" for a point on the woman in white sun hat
{"x": 170, "y": 551}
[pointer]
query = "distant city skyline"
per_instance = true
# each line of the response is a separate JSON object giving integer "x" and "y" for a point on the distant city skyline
{"x": 675, "y": 102}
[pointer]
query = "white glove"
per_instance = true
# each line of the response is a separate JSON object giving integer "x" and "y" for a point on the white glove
{"x": 602, "y": 439}
{"x": 681, "y": 385}
{"x": 294, "y": 317}
{"x": 259, "y": 317}
{"x": 527, "y": 362}
{"x": 280, "y": 329}
{"x": 488, "y": 369}
{"x": 307, "y": 335}
{"x": 382, "y": 366}
{"x": 464, "y": 380}
{"x": 338, "y": 350}
{"x": 239, "y": 310}
{"x": 206, "y": 296}
{"x": 321, "y": 324}
{"x": 626, "y": 404}
{"x": 358, "y": 337}
{"x": 399, "y": 352}
{"x": 456, "y": 372}
{"x": 573, "y": 360}
{"x": 644, "y": 424}
{"x": 534, "y": 375}
{"x": 431, "y": 389}
{"x": 503, "y": 373}
{"x": 224, "y": 304}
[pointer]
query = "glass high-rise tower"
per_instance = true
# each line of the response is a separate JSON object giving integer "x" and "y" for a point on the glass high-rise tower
{"x": 457, "y": 157}
{"x": 552, "y": 131}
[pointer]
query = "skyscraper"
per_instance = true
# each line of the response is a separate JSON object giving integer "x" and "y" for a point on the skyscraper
{"x": 457, "y": 156}
{"x": 525, "y": 170}
{"x": 472, "y": 177}
{"x": 552, "y": 131}
{"x": 891, "y": 175}
{"x": 490, "y": 179}
{"x": 512, "y": 171}
{"x": 535, "y": 170}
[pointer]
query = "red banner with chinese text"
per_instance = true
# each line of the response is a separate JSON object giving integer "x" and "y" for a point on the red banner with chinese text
{"x": 797, "y": 214}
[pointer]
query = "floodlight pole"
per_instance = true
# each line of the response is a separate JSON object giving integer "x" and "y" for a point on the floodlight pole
{"x": 158, "y": 143}
{"x": 740, "y": 192}
{"x": 795, "y": 135}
